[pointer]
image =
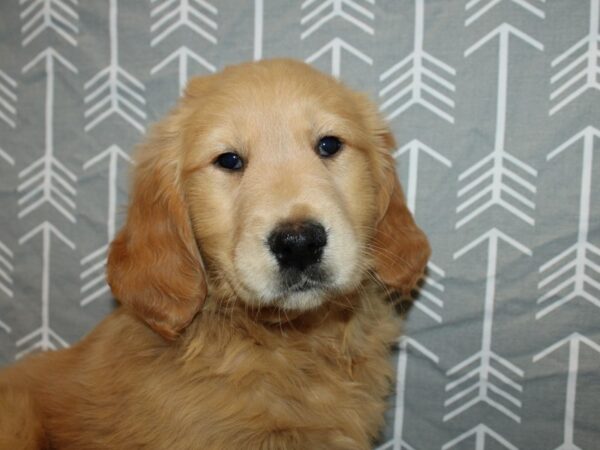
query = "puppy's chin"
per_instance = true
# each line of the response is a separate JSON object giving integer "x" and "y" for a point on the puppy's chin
{"x": 297, "y": 298}
{"x": 303, "y": 300}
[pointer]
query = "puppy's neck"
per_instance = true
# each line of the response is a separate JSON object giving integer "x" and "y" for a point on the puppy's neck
{"x": 341, "y": 319}
{"x": 337, "y": 308}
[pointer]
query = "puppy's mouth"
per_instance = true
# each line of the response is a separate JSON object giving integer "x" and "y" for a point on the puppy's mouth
{"x": 311, "y": 279}
{"x": 304, "y": 286}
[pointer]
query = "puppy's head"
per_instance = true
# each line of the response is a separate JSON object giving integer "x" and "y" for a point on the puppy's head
{"x": 270, "y": 184}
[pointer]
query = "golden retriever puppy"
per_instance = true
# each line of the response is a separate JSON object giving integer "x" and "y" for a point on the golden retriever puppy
{"x": 265, "y": 230}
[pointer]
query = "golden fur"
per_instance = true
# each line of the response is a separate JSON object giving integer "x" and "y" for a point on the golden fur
{"x": 205, "y": 352}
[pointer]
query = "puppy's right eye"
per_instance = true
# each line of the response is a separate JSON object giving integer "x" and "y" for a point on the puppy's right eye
{"x": 328, "y": 146}
{"x": 230, "y": 161}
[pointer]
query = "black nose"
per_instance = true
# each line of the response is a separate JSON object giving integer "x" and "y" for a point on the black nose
{"x": 297, "y": 245}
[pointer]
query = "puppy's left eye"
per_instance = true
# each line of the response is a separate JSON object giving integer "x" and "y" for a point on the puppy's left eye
{"x": 230, "y": 161}
{"x": 328, "y": 146}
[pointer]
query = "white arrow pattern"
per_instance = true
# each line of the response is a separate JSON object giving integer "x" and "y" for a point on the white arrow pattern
{"x": 6, "y": 157}
{"x": 183, "y": 56}
{"x": 433, "y": 288}
{"x": 259, "y": 8}
{"x": 578, "y": 71}
{"x": 480, "y": 433}
{"x": 498, "y": 167}
{"x": 8, "y": 99}
{"x": 575, "y": 341}
{"x": 113, "y": 90}
{"x": 6, "y": 279}
{"x": 398, "y": 442}
{"x": 94, "y": 264}
{"x": 485, "y": 365}
{"x": 577, "y": 260}
{"x": 59, "y": 16}
{"x": 47, "y": 180}
{"x": 335, "y": 47}
{"x": 425, "y": 85}
{"x": 414, "y": 149}
{"x": 481, "y": 7}
{"x": 44, "y": 337}
{"x": 196, "y": 15}
{"x": 321, "y": 12}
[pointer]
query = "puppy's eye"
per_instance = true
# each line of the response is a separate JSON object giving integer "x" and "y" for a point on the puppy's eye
{"x": 230, "y": 161}
{"x": 328, "y": 146}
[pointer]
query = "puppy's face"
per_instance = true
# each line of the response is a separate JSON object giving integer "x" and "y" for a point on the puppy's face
{"x": 280, "y": 185}
{"x": 269, "y": 183}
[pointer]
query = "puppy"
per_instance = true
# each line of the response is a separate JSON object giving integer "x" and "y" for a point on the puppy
{"x": 265, "y": 230}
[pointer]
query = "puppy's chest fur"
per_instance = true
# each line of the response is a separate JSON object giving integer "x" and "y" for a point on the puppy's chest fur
{"x": 291, "y": 386}
{"x": 237, "y": 383}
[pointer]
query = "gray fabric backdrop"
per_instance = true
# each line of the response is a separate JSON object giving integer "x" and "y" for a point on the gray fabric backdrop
{"x": 495, "y": 107}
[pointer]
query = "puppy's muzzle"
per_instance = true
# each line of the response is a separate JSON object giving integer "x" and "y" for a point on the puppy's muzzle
{"x": 298, "y": 246}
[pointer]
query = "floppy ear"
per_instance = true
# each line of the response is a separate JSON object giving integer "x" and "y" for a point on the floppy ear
{"x": 154, "y": 266}
{"x": 401, "y": 249}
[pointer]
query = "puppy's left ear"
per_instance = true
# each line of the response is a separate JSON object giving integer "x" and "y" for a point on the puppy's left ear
{"x": 400, "y": 248}
{"x": 154, "y": 267}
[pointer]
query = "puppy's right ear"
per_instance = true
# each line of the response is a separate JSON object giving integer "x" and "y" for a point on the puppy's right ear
{"x": 154, "y": 265}
{"x": 401, "y": 248}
